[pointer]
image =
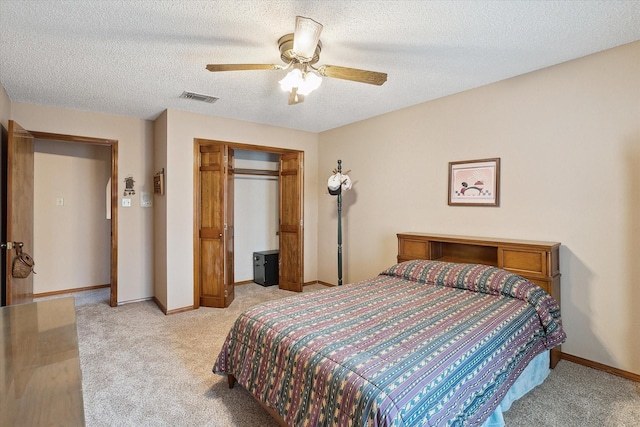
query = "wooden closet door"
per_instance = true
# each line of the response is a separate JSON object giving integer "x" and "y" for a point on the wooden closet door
{"x": 213, "y": 290}
{"x": 291, "y": 222}
{"x": 19, "y": 214}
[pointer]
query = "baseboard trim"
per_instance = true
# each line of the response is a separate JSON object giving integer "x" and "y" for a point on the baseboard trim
{"x": 68, "y": 291}
{"x": 313, "y": 282}
{"x": 133, "y": 301}
{"x": 180, "y": 310}
{"x": 246, "y": 282}
{"x": 320, "y": 282}
{"x": 160, "y": 305}
{"x": 174, "y": 311}
{"x": 601, "y": 367}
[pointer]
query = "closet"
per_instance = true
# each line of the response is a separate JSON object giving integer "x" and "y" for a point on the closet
{"x": 255, "y": 209}
{"x": 221, "y": 170}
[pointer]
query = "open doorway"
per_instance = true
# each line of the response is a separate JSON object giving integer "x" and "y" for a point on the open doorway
{"x": 43, "y": 137}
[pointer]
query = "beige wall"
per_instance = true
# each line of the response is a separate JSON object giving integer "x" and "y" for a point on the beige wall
{"x": 135, "y": 156}
{"x": 73, "y": 239}
{"x": 569, "y": 140}
{"x": 182, "y": 127}
{"x": 160, "y": 213}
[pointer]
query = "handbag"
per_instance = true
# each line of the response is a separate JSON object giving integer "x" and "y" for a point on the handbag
{"x": 22, "y": 265}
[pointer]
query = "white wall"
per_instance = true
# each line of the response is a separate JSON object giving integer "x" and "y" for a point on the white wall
{"x": 72, "y": 247}
{"x": 182, "y": 128}
{"x": 255, "y": 210}
{"x": 569, "y": 140}
{"x": 135, "y": 156}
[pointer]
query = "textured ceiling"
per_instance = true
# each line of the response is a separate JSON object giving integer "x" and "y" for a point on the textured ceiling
{"x": 135, "y": 58}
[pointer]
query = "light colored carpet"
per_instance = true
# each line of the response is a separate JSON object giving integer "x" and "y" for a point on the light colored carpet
{"x": 142, "y": 368}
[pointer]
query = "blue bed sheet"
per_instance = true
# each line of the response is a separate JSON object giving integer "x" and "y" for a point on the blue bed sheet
{"x": 532, "y": 376}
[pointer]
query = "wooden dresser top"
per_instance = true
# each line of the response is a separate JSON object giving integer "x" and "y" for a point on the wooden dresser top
{"x": 40, "y": 379}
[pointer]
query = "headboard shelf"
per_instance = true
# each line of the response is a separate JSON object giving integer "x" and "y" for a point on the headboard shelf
{"x": 536, "y": 261}
{"x": 461, "y": 252}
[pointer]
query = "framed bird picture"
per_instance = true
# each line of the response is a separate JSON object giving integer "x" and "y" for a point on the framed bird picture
{"x": 474, "y": 182}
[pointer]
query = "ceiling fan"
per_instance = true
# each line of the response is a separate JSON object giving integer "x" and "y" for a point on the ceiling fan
{"x": 300, "y": 51}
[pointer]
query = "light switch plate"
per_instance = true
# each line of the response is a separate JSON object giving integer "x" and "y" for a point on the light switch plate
{"x": 126, "y": 203}
{"x": 146, "y": 199}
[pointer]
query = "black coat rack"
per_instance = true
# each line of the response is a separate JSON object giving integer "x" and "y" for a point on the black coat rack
{"x": 338, "y": 192}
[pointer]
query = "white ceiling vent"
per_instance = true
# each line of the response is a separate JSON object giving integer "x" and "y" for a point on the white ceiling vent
{"x": 199, "y": 97}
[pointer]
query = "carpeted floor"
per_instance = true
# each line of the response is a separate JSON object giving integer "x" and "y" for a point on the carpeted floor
{"x": 142, "y": 368}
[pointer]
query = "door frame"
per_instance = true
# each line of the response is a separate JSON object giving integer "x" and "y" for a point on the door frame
{"x": 113, "y": 144}
{"x": 196, "y": 202}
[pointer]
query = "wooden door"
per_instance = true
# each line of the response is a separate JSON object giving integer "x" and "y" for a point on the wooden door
{"x": 214, "y": 287}
{"x": 291, "y": 222}
{"x": 3, "y": 212}
{"x": 19, "y": 208}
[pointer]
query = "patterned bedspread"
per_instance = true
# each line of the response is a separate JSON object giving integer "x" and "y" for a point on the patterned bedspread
{"x": 424, "y": 343}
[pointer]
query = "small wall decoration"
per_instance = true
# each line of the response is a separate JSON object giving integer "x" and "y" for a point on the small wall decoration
{"x": 158, "y": 183}
{"x": 128, "y": 186}
{"x": 474, "y": 183}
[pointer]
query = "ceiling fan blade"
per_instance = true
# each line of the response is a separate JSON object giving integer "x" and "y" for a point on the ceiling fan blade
{"x": 242, "y": 67}
{"x": 295, "y": 97}
{"x": 353, "y": 74}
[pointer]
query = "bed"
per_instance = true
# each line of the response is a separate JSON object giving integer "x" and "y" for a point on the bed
{"x": 423, "y": 343}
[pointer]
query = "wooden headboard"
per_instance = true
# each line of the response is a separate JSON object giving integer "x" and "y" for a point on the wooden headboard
{"x": 536, "y": 261}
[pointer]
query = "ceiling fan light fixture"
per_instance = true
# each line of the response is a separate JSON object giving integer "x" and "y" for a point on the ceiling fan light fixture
{"x": 292, "y": 79}
{"x": 306, "y": 38}
{"x": 300, "y": 51}
{"x": 305, "y": 81}
{"x": 310, "y": 82}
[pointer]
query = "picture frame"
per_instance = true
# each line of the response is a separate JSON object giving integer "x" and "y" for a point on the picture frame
{"x": 474, "y": 182}
{"x": 158, "y": 183}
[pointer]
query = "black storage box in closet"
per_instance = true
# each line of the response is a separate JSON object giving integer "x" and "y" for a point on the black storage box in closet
{"x": 265, "y": 268}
